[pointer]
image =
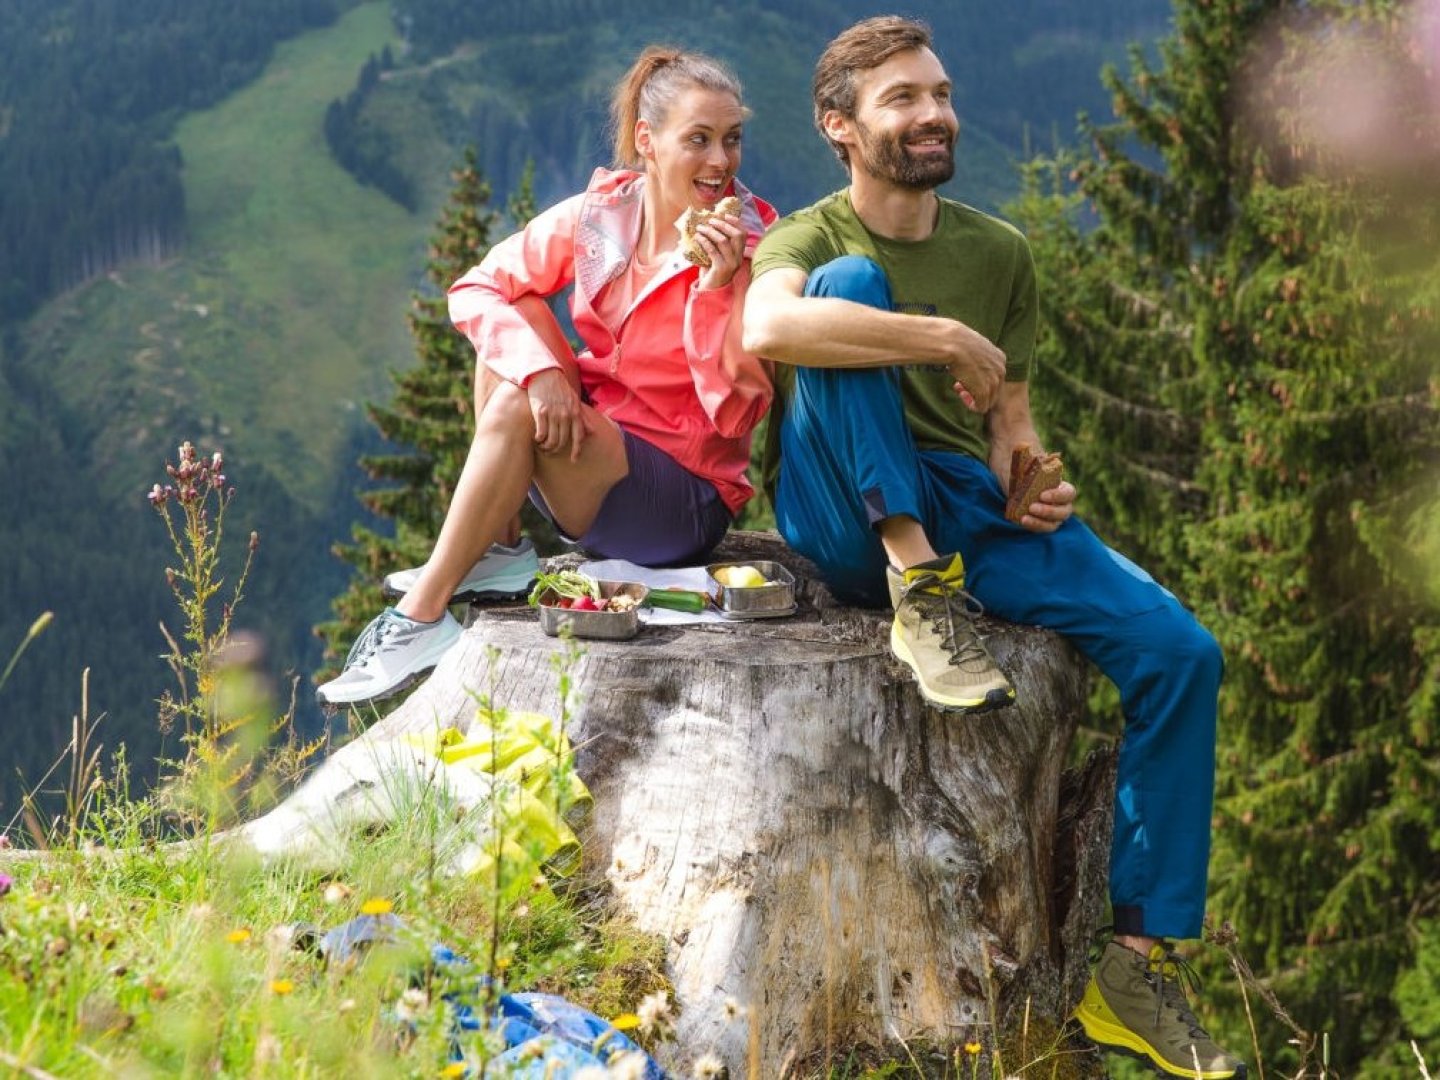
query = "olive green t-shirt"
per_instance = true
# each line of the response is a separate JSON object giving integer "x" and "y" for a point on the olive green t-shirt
{"x": 973, "y": 267}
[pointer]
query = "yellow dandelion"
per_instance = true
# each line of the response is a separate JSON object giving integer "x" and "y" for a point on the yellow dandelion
{"x": 376, "y": 906}
{"x": 455, "y": 1068}
{"x": 281, "y": 986}
{"x": 238, "y": 937}
{"x": 972, "y": 1048}
{"x": 502, "y": 963}
{"x": 625, "y": 1022}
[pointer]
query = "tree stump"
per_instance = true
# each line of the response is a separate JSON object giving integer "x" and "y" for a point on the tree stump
{"x": 850, "y": 866}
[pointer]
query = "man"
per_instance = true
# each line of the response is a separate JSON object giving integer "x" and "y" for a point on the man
{"x": 904, "y": 324}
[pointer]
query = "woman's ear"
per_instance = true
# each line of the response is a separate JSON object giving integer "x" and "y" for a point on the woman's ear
{"x": 644, "y": 145}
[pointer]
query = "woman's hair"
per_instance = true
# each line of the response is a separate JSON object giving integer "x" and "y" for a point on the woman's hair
{"x": 657, "y": 78}
{"x": 864, "y": 46}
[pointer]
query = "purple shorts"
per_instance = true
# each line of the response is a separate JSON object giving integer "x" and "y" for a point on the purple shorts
{"x": 661, "y": 514}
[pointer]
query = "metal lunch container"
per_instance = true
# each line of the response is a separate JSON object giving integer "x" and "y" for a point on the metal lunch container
{"x": 596, "y": 625}
{"x": 770, "y": 601}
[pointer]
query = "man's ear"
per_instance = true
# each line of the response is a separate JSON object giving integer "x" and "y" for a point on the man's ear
{"x": 838, "y": 127}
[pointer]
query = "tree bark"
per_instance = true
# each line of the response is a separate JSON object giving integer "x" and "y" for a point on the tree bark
{"x": 849, "y": 866}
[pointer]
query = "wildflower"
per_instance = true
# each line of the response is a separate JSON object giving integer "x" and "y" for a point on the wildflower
{"x": 376, "y": 906}
{"x": 238, "y": 937}
{"x": 708, "y": 1067}
{"x": 625, "y": 1022}
{"x": 733, "y": 1009}
{"x": 972, "y": 1048}
{"x": 502, "y": 963}
{"x": 6, "y": 883}
{"x": 411, "y": 1004}
{"x": 158, "y": 495}
{"x": 454, "y": 1069}
{"x": 654, "y": 1011}
{"x": 337, "y": 891}
{"x": 628, "y": 1067}
{"x": 281, "y": 986}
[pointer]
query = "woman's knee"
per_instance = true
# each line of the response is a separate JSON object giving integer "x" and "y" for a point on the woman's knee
{"x": 506, "y": 406}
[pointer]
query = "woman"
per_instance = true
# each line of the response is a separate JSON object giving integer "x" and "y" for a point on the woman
{"x": 638, "y": 446}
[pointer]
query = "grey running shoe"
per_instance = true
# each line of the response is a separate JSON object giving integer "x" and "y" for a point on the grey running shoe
{"x": 1136, "y": 1005}
{"x": 503, "y": 573}
{"x": 934, "y": 634}
{"x": 390, "y": 654}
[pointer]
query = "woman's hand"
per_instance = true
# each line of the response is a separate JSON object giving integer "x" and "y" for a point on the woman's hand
{"x": 723, "y": 239}
{"x": 560, "y": 421}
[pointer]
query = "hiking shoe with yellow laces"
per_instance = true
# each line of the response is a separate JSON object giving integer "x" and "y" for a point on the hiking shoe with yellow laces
{"x": 1136, "y": 1005}
{"x": 934, "y": 634}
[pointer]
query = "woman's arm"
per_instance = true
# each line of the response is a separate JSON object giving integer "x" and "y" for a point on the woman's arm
{"x": 539, "y": 260}
{"x": 733, "y": 385}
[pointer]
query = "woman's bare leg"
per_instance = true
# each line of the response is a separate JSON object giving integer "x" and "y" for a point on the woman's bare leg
{"x": 502, "y": 463}
{"x": 542, "y": 320}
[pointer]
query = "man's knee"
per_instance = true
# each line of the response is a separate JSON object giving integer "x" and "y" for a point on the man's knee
{"x": 851, "y": 277}
{"x": 1186, "y": 647}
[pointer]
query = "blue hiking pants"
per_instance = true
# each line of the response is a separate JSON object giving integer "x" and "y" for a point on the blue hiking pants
{"x": 848, "y": 461}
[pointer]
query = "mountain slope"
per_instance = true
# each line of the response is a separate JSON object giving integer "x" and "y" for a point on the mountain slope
{"x": 286, "y": 306}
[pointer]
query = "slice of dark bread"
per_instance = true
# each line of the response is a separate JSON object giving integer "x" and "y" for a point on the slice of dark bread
{"x": 1030, "y": 474}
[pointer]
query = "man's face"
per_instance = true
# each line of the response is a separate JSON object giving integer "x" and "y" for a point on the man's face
{"x": 904, "y": 127}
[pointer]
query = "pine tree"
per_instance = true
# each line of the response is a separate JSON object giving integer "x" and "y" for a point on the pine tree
{"x": 1238, "y": 360}
{"x": 431, "y": 414}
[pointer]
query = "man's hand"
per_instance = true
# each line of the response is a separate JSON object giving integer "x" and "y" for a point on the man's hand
{"x": 723, "y": 239}
{"x": 978, "y": 366}
{"x": 560, "y": 420}
{"x": 1051, "y": 510}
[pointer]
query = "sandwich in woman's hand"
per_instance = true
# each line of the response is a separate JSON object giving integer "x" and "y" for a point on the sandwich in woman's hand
{"x": 692, "y": 218}
{"x": 1030, "y": 474}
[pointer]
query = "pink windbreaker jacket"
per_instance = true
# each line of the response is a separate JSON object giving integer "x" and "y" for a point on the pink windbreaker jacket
{"x": 673, "y": 371}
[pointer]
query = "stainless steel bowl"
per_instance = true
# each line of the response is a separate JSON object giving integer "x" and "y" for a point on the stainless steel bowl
{"x": 770, "y": 601}
{"x": 596, "y": 625}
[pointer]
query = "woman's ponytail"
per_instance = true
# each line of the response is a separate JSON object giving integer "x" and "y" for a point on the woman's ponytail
{"x": 657, "y": 77}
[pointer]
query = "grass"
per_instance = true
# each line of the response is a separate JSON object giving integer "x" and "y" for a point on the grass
{"x": 183, "y": 962}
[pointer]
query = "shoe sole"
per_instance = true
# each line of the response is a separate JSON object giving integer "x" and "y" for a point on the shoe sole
{"x": 330, "y": 708}
{"x": 1114, "y": 1040}
{"x": 472, "y": 596}
{"x": 996, "y": 698}
{"x": 515, "y": 588}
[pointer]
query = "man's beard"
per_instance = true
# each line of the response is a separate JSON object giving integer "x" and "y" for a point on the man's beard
{"x": 885, "y": 158}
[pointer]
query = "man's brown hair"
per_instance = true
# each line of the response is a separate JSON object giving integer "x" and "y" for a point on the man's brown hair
{"x": 864, "y": 46}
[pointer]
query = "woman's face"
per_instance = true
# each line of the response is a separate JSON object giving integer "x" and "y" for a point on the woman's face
{"x": 694, "y": 153}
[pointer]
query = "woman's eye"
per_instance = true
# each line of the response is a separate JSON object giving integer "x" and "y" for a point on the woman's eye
{"x": 698, "y": 140}
{"x": 733, "y": 140}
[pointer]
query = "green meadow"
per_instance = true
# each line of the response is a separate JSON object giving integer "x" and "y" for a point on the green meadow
{"x": 287, "y": 307}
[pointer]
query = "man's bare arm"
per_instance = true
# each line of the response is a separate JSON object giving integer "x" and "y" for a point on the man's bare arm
{"x": 780, "y": 323}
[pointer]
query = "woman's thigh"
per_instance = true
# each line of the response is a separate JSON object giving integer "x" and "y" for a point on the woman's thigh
{"x": 657, "y": 514}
